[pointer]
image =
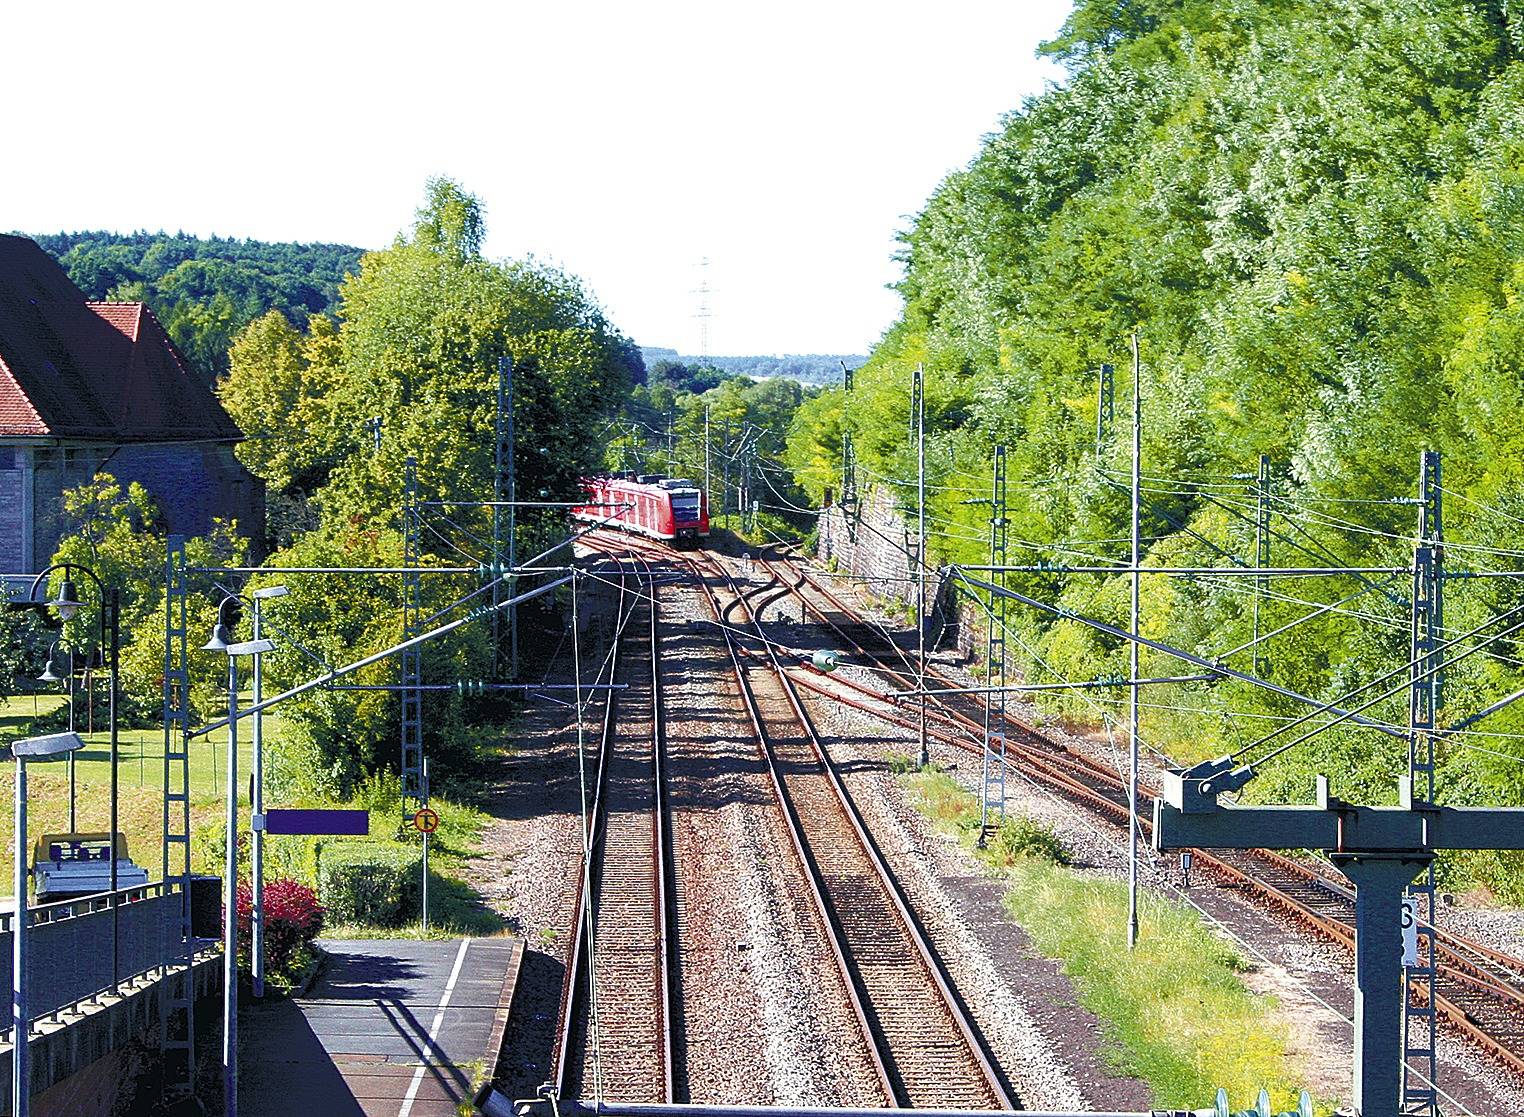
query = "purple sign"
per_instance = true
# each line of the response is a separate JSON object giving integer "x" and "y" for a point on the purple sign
{"x": 298, "y": 820}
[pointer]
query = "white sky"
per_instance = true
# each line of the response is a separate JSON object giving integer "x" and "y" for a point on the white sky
{"x": 785, "y": 142}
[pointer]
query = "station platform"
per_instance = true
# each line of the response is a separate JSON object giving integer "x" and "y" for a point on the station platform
{"x": 392, "y": 1028}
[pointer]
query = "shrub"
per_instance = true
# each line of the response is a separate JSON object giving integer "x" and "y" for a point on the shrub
{"x": 368, "y": 882}
{"x": 293, "y": 918}
{"x": 1021, "y": 837}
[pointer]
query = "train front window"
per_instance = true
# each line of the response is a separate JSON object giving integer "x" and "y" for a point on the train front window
{"x": 685, "y": 506}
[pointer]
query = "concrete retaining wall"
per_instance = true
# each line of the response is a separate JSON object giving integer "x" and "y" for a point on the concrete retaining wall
{"x": 94, "y": 1063}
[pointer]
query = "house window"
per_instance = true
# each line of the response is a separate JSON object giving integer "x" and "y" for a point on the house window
{"x": 72, "y": 458}
{"x": 7, "y": 457}
{"x": 45, "y": 459}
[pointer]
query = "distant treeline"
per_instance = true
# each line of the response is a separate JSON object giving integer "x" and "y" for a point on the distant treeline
{"x": 807, "y": 368}
{"x": 205, "y": 290}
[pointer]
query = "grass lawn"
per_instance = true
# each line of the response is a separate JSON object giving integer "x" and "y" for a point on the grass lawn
{"x": 454, "y": 905}
{"x": 1176, "y": 1009}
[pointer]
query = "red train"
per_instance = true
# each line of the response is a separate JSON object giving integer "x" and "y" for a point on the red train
{"x": 672, "y": 509}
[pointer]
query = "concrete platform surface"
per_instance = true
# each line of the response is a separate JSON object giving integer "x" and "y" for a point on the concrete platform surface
{"x": 393, "y": 1028}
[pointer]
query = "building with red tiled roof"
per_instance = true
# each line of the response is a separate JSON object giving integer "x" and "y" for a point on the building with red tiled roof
{"x": 90, "y": 387}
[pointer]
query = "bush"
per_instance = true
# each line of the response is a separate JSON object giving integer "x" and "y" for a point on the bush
{"x": 293, "y": 918}
{"x": 369, "y": 882}
{"x": 1020, "y": 837}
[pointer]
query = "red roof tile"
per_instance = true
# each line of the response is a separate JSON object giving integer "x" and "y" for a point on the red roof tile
{"x": 17, "y": 415}
{"x": 124, "y": 316}
{"x": 76, "y": 369}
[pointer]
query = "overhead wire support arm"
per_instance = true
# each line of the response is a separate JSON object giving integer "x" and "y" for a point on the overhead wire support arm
{"x": 377, "y": 657}
{"x": 1193, "y": 571}
{"x": 1178, "y": 653}
{"x": 516, "y": 504}
{"x": 332, "y": 569}
{"x": 1023, "y": 688}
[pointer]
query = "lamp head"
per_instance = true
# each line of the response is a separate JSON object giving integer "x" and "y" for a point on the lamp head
{"x": 228, "y": 613}
{"x": 54, "y": 744}
{"x": 67, "y": 604}
{"x": 53, "y": 670}
{"x": 220, "y": 640}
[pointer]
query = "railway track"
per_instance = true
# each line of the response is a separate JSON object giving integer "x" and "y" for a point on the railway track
{"x": 924, "y": 1047}
{"x": 1479, "y": 991}
{"x": 617, "y": 1034}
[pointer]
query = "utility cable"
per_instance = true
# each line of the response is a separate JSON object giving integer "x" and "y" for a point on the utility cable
{"x": 1442, "y": 666}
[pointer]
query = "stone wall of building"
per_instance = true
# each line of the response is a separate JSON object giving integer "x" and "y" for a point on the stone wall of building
{"x": 193, "y": 484}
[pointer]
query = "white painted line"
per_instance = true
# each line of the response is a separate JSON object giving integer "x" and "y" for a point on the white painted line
{"x": 444, "y": 1003}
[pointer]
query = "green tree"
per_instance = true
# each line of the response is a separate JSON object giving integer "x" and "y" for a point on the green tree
{"x": 421, "y": 328}
{"x": 119, "y": 534}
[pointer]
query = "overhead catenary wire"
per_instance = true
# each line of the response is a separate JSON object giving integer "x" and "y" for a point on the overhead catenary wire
{"x": 1405, "y": 684}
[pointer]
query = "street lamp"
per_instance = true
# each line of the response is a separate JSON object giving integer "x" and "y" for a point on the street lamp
{"x": 67, "y": 606}
{"x": 222, "y": 641}
{"x": 28, "y": 748}
{"x": 257, "y": 801}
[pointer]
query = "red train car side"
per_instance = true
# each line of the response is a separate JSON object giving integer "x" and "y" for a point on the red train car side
{"x": 671, "y": 509}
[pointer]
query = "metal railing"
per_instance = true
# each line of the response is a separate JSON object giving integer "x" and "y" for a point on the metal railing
{"x": 70, "y": 957}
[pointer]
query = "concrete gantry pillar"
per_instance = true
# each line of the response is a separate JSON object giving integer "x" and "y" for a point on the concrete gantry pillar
{"x": 1380, "y": 881}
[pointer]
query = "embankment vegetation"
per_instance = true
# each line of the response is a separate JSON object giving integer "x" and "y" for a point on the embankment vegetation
{"x": 1313, "y": 215}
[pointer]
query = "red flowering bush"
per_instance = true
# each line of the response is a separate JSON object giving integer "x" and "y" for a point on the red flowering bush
{"x": 293, "y": 918}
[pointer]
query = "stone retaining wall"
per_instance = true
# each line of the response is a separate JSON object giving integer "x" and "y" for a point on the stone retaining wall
{"x": 90, "y": 1063}
{"x": 876, "y": 547}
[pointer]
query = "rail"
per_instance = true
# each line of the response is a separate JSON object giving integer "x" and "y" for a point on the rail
{"x": 1479, "y": 990}
{"x": 893, "y": 1002}
{"x": 624, "y": 905}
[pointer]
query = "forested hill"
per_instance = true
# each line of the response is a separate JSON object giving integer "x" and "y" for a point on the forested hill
{"x": 1313, "y": 213}
{"x": 205, "y": 291}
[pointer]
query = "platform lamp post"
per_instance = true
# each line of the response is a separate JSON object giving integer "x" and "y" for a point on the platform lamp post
{"x": 222, "y": 641}
{"x": 257, "y": 802}
{"x": 29, "y": 748}
{"x": 66, "y": 606}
